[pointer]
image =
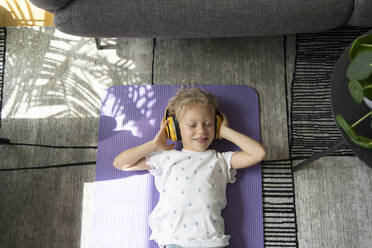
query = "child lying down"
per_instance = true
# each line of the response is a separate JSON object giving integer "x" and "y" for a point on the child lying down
{"x": 191, "y": 182}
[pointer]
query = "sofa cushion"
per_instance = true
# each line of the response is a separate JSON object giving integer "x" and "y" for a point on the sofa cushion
{"x": 362, "y": 14}
{"x": 200, "y": 18}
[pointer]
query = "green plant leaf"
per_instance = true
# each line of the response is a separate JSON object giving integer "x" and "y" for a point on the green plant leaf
{"x": 345, "y": 126}
{"x": 363, "y": 142}
{"x": 359, "y": 45}
{"x": 359, "y": 140}
{"x": 356, "y": 91}
{"x": 360, "y": 67}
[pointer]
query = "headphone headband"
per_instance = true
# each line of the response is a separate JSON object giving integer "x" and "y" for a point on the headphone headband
{"x": 173, "y": 130}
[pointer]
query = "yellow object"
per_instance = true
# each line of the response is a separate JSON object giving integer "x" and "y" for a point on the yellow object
{"x": 171, "y": 127}
{"x": 23, "y": 13}
{"x": 173, "y": 130}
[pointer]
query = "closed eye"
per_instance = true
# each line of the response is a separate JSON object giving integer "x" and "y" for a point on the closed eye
{"x": 193, "y": 125}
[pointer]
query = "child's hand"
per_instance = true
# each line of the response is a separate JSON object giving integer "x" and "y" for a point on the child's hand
{"x": 224, "y": 124}
{"x": 160, "y": 140}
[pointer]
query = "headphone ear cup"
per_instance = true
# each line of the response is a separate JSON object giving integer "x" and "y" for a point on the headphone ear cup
{"x": 171, "y": 129}
{"x": 218, "y": 122}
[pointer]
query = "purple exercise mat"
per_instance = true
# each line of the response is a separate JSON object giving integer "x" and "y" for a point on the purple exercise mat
{"x": 130, "y": 115}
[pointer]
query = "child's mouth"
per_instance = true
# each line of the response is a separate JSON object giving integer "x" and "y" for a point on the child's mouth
{"x": 202, "y": 140}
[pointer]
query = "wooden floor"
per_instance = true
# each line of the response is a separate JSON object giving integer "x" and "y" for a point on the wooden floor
{"x": 23, "y": 13}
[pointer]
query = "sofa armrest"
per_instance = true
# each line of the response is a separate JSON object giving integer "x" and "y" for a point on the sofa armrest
{"x": 50, "y": 5}
{"x": 362, "y": 14}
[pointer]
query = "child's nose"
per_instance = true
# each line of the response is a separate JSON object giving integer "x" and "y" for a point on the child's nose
{"x": 202, "y": 128}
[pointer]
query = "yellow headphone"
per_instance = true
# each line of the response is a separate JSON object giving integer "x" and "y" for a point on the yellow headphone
{"x": 173, "y": 129}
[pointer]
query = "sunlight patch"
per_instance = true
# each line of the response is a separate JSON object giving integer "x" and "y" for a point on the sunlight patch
{"x": 68, "y": 78}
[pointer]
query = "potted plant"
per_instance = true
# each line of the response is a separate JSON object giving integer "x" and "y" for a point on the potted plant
{"x": 359, "y": 73}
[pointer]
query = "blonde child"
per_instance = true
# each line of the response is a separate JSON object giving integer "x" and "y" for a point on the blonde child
{"x": 192, "y": 182}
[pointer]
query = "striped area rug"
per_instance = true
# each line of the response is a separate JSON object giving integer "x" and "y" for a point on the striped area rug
{"x": 280, "y": 228}
{"x": 313, "y": 128}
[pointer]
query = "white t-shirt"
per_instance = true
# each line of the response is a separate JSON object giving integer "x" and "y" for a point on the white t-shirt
{"x": 192, "y": 187}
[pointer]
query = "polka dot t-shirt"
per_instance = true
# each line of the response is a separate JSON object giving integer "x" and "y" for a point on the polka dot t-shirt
{"x": 192, "y": 187}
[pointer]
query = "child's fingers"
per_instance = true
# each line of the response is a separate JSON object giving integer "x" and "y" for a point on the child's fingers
{"x": 162, "y": 129}
{"x": 223, "y": 116}
{"x": 163, "y": 124}
{"x": 169, "y": 147}
{"x": 225, "y": 120}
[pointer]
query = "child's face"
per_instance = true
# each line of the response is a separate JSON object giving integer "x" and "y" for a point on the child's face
{"x": 197, "y": 127}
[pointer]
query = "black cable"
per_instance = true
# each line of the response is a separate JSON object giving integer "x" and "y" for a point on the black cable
{"x": 4, "y": 141}
{"x": 153, "y": 60}
{"x": 50, "y": 166}
{"x": 92, "y": 163}
{"x": 55, "y": 147}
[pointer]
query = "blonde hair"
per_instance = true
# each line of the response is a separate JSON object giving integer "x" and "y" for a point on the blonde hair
{"x": 187, "y": 97}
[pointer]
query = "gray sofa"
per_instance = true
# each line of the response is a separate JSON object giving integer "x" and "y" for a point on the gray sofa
{"x": 204, "y": 18}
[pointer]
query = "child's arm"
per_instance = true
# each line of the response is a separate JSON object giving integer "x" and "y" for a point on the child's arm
{"x": 252, "y": 151}
{"x": 134, "y": 158}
